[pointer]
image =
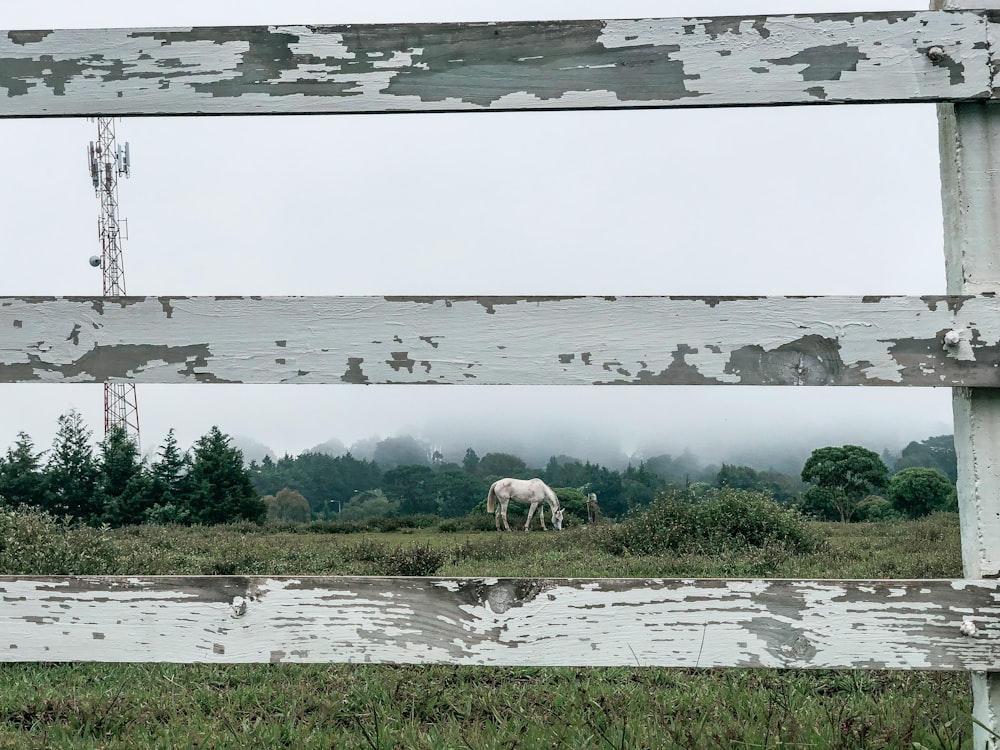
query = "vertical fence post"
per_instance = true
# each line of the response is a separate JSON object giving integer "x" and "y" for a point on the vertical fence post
{"x": 969, "y": 140}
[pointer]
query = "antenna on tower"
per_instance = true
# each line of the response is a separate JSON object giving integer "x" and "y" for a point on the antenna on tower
{"x": 107, "y": 161}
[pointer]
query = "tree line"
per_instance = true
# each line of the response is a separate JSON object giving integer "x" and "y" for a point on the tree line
{"x": 211, "y": 484}
{"x": 113, "y": 485}
{"x": 836, "y": 483}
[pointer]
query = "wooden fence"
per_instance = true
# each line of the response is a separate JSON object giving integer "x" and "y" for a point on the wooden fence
{"x": 949, "y": 56}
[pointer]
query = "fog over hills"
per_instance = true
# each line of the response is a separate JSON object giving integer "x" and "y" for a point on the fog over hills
{"x": 780, "y": 450}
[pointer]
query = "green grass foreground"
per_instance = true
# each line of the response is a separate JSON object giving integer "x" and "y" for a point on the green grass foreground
{"x": 378, "y": 706}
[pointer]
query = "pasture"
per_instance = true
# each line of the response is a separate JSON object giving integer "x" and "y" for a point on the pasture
{"x": 380, "y": 706}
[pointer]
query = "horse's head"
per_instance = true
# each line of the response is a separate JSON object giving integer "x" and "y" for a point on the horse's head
{"x": 557, "y": 519}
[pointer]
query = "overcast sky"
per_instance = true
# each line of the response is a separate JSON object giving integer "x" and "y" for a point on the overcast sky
{"x": 789, "y": 200}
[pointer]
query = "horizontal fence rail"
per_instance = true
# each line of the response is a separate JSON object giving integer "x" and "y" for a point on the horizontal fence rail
{"x": 673, "y": 62}
{"x": 886, "y": 341}
{"x": 897, "y": 624}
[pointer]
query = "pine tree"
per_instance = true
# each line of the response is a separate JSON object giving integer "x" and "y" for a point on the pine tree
{"x": 221, "y": 488}
{"x": 471, "y": 461}
{"x": 170, "y": 482}
{"x": 22, "y": 478}
{"x": 72, "y": 471}
{"x": 124, "y": 484}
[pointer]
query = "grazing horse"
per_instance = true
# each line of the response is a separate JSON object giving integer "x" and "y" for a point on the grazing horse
{"x": 533, "y": 491}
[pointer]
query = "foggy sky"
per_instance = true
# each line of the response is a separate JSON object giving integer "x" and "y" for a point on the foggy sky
{"x": 789, "y": 200}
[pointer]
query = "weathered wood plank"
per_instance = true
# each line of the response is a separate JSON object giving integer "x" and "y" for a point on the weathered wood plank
{"x": 673, "y": 62}
{"x": 969, "y": 149}
{"x": 576, "y": 622}
{"x": 896, "y": 341}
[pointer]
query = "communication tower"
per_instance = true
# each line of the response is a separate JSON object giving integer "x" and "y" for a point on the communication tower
{"x": 107, "y": 161}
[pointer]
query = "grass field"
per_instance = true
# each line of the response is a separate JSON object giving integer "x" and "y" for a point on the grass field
{"x": 380, "y": 706}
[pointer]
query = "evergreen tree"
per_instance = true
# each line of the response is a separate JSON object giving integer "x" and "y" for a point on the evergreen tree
{"x": 266, "y": 476}
{"x": 457, "y": 493}
{"x": 169, "y": 485}
{"x": 123, "y": 482}
{"x": 74, "y": 478}
{"x": 413, "y": 487}
{"x": 471, "y": 461}
{"x": 22, "y": 478}
{"x": 221, "y": 488}
{"x": 500, "y": 465}
{"x": 737, "y": 477}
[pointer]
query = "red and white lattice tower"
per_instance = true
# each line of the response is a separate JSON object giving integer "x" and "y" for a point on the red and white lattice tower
{"x": 107, "y": 161}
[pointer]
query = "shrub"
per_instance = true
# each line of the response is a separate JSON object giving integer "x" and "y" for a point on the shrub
{"x": 418, "y": 560}
{"x": 876, "y": 508}
{"x": 494, "y": 548}
{"x": 419, "y": 521}
{"x": 32, "y": 542}
{"x": 663, "y": 526}
{"x": 747, "y": 518}
{"x": 167, "y": 515}
{"x": 382, "y": 560}
{"x": 727, "y": 519}
{"x": 472, "y": 522}
{"x": 334, "y": 527}
{"x": 382, "y": 523}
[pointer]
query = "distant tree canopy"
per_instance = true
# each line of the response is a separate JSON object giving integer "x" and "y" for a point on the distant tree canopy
{"x": 737, "y": 477}
{"x": 402, "y": 451}
{"x": 843, "y": 476}
{"x": 933, "y": 453}
{"x": 322, "y": 479}
{"x": 917, "y": 491}
{"x": 498, "y": 465}
{"x": 287, "y": 505}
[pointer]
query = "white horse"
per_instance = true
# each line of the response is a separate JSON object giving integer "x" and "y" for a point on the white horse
{"x": 533, "y": 491}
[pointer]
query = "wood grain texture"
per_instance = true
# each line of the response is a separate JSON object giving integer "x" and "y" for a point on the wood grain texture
{"x": 672, "y": 62}
{"x": 891, "y": 341}
{"x": 578, "y": 622}
{"x": 969, "y": 144}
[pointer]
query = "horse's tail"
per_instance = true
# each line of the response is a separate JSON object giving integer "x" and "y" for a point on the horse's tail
{"x": 491, "y": 499}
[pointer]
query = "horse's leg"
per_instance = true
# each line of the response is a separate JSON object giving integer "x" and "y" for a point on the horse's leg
{"x": 503, "y": 513}
{"x": 531, "y": 512}
{"x": 541, "y": 516}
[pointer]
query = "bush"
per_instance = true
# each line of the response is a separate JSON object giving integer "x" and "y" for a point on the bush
{"x": 382, "y": 560}
{"x": 419, "y": 521}
{"x": 494, "y": 548}
{"x": 32, "y": 542}
{"x": 875, "y": 508}
{"x": 748, "y": 518}
{"x": 167, "y": 515}
{"x": 472, "y": 522}
{"x": 418, "y": 560}
{"x": 382, "y": 524}
{"x": 334, "y": 527}
{"x": 726, "y": 520}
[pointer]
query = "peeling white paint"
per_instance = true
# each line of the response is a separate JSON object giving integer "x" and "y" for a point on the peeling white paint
{"x": 650, "y": 62}
{"x": 695, "y": 623}
{"x": 502, "y": 340}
